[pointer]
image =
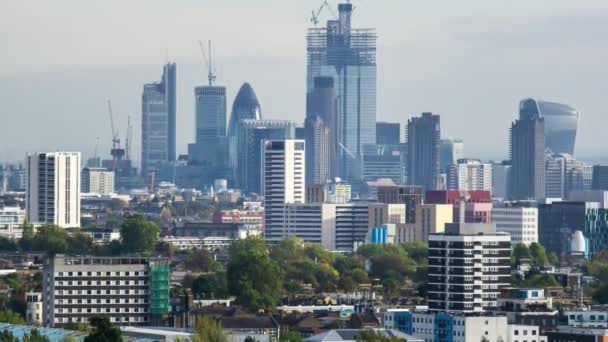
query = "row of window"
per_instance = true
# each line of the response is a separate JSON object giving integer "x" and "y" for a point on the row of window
{"x": 100, "y": 282}
{"x": 99, "y": 292}
{"x": 101, "y": 274}
{"x": 86, "y": 319}
{"x": 102, "y": 301}
{"x": 100, "y": 310}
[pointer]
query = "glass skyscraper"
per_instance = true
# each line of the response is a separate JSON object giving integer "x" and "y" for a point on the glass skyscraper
{"x": 348, "y": 56}
{"x": 561, "y": 122}
{"x": 158, "y": 122}
{"x": 210, "y": 147}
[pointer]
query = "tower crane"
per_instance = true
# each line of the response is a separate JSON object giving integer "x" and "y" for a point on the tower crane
{"x": 208, "y": 61}
{"x": 128, "y": 139}
{"x": 116, "y": 152}
{"x": 315, "y": 15}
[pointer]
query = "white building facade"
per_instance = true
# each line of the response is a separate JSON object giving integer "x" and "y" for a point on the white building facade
{"x": 519, "y": 222}
{"x": 53, "y": 188}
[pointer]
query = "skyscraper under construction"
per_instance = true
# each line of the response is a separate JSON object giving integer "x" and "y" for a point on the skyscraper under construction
{"x": 348, "y": 56}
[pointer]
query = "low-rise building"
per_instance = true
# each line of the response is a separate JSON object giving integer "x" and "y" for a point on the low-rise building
{"x": 33, "y": 308}
{"x": 519, "y": 222}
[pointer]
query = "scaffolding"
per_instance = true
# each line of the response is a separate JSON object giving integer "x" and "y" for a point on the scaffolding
{"x": 328, "y": 47}
{"x": 159, "y": 287}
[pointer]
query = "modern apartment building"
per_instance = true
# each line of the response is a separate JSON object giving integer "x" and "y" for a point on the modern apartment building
{"x": 468, "y": 266}
{"x": 53, "y": 188}
{"x": 130, "y": 290}
{"x": 283, "y": 183}
{"x": 470, "y": 175}
{"x": 97, "y": 180}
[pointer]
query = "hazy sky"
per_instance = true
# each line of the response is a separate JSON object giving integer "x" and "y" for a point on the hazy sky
{"x": 470, "y": 61}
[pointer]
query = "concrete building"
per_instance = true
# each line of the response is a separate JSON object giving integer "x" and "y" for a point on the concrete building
{"x": 411, "y": 196}
{"x": 431, "y": 219}
{"x": 468, "y": 266}
{"x": 564, "y": 174}
{"x": 478, "y": 204}
{"x": 451, "y": 151}
{"x": 470, "y": 175}
{"x": 158, "y": 124}
{"x": 283, "y": 182}
{"x": 521, "y": 223}
{"x": 33, "y": 308}
{"x": 527, "y": 153}
{"x": 381, "y": 213}
{"x": 423, "y": 142}
{"x": 129, "y": 290}
{"x": 97, "y": 180}
{"x": 53, "y": 191}
{"x": 599, "y": 196}
{"x": 11, "y": 218}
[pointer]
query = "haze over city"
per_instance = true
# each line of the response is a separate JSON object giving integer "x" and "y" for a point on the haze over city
{"x": 470, "y": 61}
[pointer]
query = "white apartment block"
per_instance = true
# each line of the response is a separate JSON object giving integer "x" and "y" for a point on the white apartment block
{"x": 97, "y": 181}
{"x": 470, "y": 175}
{"x": 283, "y": 183}
{"x": 519, "y": 222}
{"x": 53, "y": 188}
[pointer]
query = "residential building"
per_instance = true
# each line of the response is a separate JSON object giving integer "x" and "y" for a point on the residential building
{"x": 11, "y": 217}
{"x": 129, "y": 290}
{"x": 451, "y": 151}
{"x": 477, "y": 207}
{"x": 521, "y": 223}
{"x": 423, "y": 141}
{"x": 431, "y": 219}
{"x": 245, "y": 106}
{"x": 501, "y": 179}
{"x": 348, "y": 56}
{"x": 33, "y": 308}
{"x": 97, "y": 180}
{"x": 283, "y": 182}
{"x": 388, "y": 133}
{"x": 527, "y": 152}
{"x": 158, "y": 124}
{"x": 561, "y": 122}
{"x": 53, "y": 188}
{"x": 468, "y": 266}
{"x": 322, "y": 131}
{"x": 469, "y": 175}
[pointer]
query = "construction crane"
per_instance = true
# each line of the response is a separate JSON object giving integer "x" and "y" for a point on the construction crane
{"x": 96, "y": 152}
{"x": 128, "y": 139}
{"x": 315, "y": 15}
{"x": 116, "y": 152}
{"x": 208, "y": 62}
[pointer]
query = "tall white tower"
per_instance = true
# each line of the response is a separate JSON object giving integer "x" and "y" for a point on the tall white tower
{"x": 283, "y": 182}
{"x": 53, "y": 188}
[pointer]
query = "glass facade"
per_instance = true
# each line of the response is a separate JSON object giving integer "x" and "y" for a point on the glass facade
{"x": 210, "y": 113}
{"x": 348, "y": 56}
{"x": 561, "y": 122}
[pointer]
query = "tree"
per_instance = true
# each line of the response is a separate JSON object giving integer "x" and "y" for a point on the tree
{"x": 542, "y": 280}
{"x": 291, "y": 336}
{"x": 103, "y": 331}
{"x": 520, "y": 252}
{"x": 539, "y": 255}
{"x": 8, "y": 316}
{"x": 138, "y": 235}
{"x": 51, "y": 239}
{"x": 199, "y": 260}
{"x": 207, "y": 329}
{"x": 251, "y": 339}
{"x": 253, "y": 277}
{"x": 8, "y": 245}
{"x": 376, "y": 336}
{"x": 209, "y": 286}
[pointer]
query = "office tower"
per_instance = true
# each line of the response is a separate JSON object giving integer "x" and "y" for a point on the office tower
{"x": 158, "y": 122}
{"x": 386, "y": 163}
{"x": 423, "y": 141}
{"x": 451, "y": 151}
{"x": 283, "y": 182}
{"x": 520, "y": 222}
{"x": 527, "y": 152}
{"x": 210, "y": 146}
{"x": 461, "y": 278}
{"x": 387, "y": 133}
{"x": 322, "y": 130}
{"x": 564, "y": 174}
{"x": 97, "y": 180}
{"x": 431, "y": 219}
{"x": 53, "y": 188}
{"x": 501, "y": 179}
{"x": 348, "y": 56}
{"x": 600, "y": 177}
{"x": 411, "y": 196}
{"x": 251, "y": 133}
{"x": 317, "y": 136}
{"x": 558, "y": 221}
{"x": 561, "y": 122}
{"x": 245, "y": 106}
{"x": 470, "y": 175}
{"x": 128, "y": 290}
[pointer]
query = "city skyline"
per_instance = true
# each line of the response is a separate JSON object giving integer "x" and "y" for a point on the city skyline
{"x": 423, "y": 81}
